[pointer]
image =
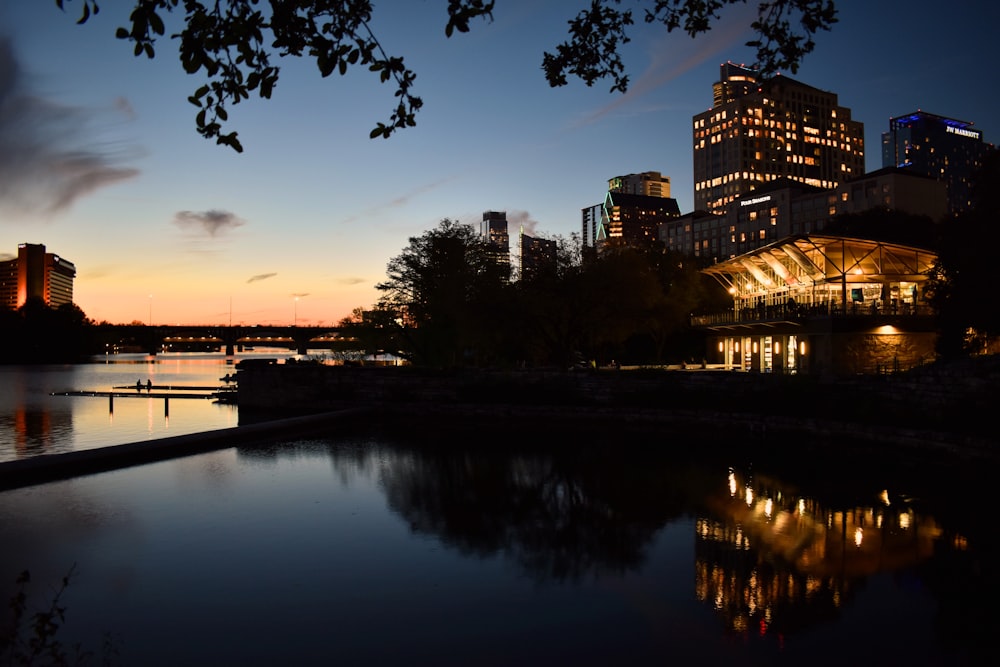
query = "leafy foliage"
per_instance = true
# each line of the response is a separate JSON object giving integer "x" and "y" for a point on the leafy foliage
{"x": 448, "y": 303}
{"x": 961, "y": 285}
{"x": 31, "y": 638}
{"x": 592, "y": 51}
{"x": 233, "y": 44}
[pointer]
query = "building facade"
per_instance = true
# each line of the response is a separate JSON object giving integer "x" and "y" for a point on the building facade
{"x": 759, "y": 131}
{"x": 823, "y": 305}
{"x": 633, "y": 220}
{"x": 945, "y": 149}
{"x": 537, "y": 256}
{"x": 785, "y": 207}
{"x": 36, "y": 273}
{"x": 496, "y": 237}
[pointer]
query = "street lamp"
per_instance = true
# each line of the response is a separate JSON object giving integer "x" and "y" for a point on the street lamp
{"x": 295, "y": 321}
{"x": 150, "y": 310}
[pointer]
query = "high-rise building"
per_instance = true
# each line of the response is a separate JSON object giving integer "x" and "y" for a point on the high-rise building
{"x": 494, "y": 234}
{"x": 633, "y": 220}
{"x": 36, "y": 273}
{"x": 633, "y": 207}
{"x": 648, "y": 183}
{"x": 945, "y": 149}
{"x": 758, "y": 131}
{"x": 537, "y": 255}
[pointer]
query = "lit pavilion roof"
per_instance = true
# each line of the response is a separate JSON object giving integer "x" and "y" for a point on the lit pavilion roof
{"x": 798, "y": 262}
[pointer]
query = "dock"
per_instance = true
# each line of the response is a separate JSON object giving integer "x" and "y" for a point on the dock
{"x": 223, "y": 394}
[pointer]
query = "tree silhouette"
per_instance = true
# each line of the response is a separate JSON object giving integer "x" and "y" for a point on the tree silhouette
{"x": 233, "y": 44}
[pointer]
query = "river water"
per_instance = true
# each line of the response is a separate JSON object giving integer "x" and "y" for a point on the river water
{"x": 391, "y": 544}
{"x": 33, "y": 421}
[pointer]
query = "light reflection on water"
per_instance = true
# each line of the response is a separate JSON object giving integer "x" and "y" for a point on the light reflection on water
{"x": 34, "y": 422}
{"x": 369, "y": 548}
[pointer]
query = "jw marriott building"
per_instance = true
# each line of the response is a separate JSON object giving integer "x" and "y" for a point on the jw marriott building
{"x": 758, "y": 131}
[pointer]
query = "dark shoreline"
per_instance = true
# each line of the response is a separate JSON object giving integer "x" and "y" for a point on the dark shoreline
{"x": 820, "y": 438}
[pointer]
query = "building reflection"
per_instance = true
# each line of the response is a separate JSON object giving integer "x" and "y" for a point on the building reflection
{"x": 770, "y": 561}
{"x": 36, "y": 431}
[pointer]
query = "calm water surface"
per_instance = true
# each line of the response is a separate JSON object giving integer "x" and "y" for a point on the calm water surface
{"x": 34, "y": 422}
{"x": 502, "y": 548}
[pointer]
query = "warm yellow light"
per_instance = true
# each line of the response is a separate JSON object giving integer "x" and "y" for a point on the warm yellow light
{"x": 749, "y": 497}
{"x": 768, "y": 508}
{"x": 755, "y": 347}
{"x": 721, "y": 346}
{"x": 802, "y": 347}
{"x": 777, "y": 347}
{"x": 736, "y": 346}
{"x": 858, "y": 536}
{"x": 884, "y": 497}
{"x": 732, "y": 484}
{"x": 886, "y": 330}
{"x": 904, "y": 520}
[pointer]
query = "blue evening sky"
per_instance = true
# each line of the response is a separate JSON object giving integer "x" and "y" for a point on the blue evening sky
{"x": 100, "y": 161}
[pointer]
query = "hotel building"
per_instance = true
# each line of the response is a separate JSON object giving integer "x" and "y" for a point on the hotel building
{"x": 36, "y": 273}
{"x": 759, "y": 131}
{"x": 945, "y": 149}
{"x": 785, "y": 207}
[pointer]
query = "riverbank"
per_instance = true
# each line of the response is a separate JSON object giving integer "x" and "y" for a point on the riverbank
{"x": 941, "y": 408}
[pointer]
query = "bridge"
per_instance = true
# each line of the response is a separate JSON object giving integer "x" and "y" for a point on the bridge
{"x": 228, "y": 339}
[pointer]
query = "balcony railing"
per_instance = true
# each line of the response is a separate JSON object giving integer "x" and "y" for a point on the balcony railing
{"x": 798, "y": 313}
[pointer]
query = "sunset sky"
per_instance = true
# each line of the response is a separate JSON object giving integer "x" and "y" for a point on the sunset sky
{"x": 100, "y": 161}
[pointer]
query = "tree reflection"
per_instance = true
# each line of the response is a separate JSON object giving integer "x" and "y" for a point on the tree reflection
{"x": 559, "y": 514}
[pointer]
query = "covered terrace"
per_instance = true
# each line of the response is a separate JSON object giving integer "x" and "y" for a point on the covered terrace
{"x": 825, "y": 303}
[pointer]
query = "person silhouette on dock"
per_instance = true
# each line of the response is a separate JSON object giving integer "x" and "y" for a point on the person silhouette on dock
{"x": 138, "y": 385}
{"x": 149, "y": 385}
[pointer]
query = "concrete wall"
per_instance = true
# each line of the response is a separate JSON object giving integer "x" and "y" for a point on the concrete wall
{"x": 939, "y": 403}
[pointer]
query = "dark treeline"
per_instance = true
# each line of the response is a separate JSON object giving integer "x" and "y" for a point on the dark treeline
{"x": 447, "y": 302}
{"x": 37, "y": 333}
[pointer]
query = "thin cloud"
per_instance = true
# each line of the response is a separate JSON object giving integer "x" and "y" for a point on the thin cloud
{"x": 399, "y": 201}
{"x": 261, "y": 276}
{"x": 213, "y": 222}
{"x": 670, "y": 58}
{"x": 299, "y": 295}
{"x": 521, "y": 221}
{"x": 352, "y": 280}
{"x": 46, "y": 164}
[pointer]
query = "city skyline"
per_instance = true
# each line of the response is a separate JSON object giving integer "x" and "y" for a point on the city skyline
{"x": 164, "y": 225}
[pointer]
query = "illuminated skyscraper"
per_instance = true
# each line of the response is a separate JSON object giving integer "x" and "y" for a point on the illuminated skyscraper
{"x": 945, "y": 149}
{"x": 36, "y": 273}
{"x": 494, "y": 234}
{"x": 759, "y": 131}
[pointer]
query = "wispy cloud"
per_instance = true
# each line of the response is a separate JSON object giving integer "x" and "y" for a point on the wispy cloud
{"x": 675, "y": 54}
{"x": 521, "y": 220}
{"x": 46, "y": 163}
{"x": 351, "y": 280}
{"x": 397, "y": 202}
{"x": 213, "y": 222}
{"x": 299, "y": 295}
{"x": 261, "y": 276}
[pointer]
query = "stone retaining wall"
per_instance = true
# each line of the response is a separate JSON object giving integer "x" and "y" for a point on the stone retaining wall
{"x": 947, "y": 406}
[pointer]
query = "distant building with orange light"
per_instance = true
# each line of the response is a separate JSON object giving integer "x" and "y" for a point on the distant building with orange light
{"x": 36, "y": 273}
